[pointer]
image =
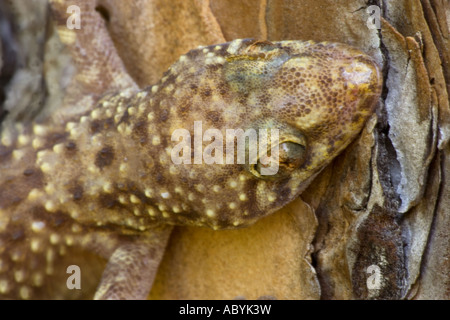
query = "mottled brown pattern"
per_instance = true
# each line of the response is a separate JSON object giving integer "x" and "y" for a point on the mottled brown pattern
{"x": 104, "y": 157}
{"x": 102, "y": 179}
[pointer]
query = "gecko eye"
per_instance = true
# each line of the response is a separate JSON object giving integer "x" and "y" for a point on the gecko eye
{"x": 291, "y": 155}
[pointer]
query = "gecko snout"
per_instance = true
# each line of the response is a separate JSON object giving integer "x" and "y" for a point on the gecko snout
{"x": 363, "y": 80}
{"x": 362, "y": 73}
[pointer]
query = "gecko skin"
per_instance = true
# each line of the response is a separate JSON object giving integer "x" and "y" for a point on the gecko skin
{"x": 102, "y": 183}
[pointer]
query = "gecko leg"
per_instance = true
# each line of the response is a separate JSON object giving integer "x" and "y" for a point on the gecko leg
{"x": 99, "y": 67}
{"x": 132, "y": 267}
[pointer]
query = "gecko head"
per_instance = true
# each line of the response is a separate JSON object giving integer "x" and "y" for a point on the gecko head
{"x": 302, "y": 102}
{"x": 319, "y": 97}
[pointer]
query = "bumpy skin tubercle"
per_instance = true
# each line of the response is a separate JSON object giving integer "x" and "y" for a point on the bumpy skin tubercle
{"x": 104, "y": 181}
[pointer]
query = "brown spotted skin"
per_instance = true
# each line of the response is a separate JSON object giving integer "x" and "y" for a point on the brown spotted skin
{"x": 101, "y": 181}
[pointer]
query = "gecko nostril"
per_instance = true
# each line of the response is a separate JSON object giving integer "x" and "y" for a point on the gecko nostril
{"x": 358, "y": 73}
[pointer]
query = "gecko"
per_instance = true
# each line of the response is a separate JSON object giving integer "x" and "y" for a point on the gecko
{"x": 95, "y": 186}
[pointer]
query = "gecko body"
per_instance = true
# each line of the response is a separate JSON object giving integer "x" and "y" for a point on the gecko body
{"x": 103, "y": 181}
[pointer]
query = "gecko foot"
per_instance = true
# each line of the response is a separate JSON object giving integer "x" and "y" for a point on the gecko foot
{"x": 132, "y": 268}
